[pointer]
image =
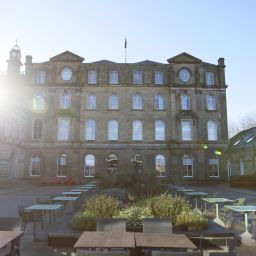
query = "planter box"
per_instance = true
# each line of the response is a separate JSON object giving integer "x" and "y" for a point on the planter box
{"x": 243, "y": 181}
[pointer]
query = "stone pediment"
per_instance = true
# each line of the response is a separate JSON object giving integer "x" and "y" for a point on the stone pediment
{"x": 184, "y": 58}
{"x": 67, "y": 56}
{"x": 186, "y": 114}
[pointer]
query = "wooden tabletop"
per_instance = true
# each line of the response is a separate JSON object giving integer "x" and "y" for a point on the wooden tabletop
{"x": 163, "y": 240}
{"x": 97, "y": 239}
{"x": 8, "y": 236}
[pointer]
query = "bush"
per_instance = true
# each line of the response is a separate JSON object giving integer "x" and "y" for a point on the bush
{"x": 192, "y": 220}
{"x": 168, "y": 206}
{"x": 83, "y": 223}
{"x": 101, "y": 207}
{"x": 134, "y": 216}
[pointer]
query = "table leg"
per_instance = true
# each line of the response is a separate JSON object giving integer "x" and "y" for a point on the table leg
{"x": 217, "y": 219}
{"x": 246, "y": 237}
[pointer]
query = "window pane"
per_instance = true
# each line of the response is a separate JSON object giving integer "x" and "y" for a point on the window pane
{"x": 159, "y": 77}
{"x": 113, "y": 130}
{"x": 187, "y": 166}
{"x": 211, "y": 102}
{"x": 113, "y": 77}
{"x": 113, "y": 101}
{"x": 213, "y": 167}
{"x": 89, "y": 165}
{"x": 62, "y": 165}
{"x": 137, "y": 77}
{"x": 185, "y": 102}
{"x": 212, "y": 130}
{"x": 186, "y": 129}
{"x": 209, "y": 78}
{"x": 159, "y": 130}
{"x": 63, "y": 129}
{"x": 38, "y": 128}
{"x": 92, "y": 77}
{"x": 90, "y": 131}
{"x": 91, "y": 101}
{"x": 159, "y": 102}
{"x": 65, "y": 101}
{"x": 39, "y": 102}
{"x": 137, "y": 130}
{"x": 40, "y": 77}
{"x": 137, "y": 101}
{"x": 35, "y": 166}
{"x": 160, "y": 166}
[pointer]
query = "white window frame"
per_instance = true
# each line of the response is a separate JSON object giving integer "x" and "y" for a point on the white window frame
{"x": 112, "y": 130}
{"x": 89, "y": 164}
{"x": 211, "y": 102}
{"x": 187, "y": 161}
{"x": 92, "y": 77}
{"x": 113, "y": 77}
{"x": 185, "y": 134}
{"x": 39, "y": 102}
{"x": 40, "y": 77}
{"x": 62, "y": 161}
{"x": 91, "y": 101}
{"x": 37, "y": 129}
{"x": 212, "y": 130}
{"x": 137, "y": 130}
{"x": 137, "y": 77}
{"x": 209, "y": 78}
{"x": 63, "y": 129}
{"x": 213, "y": 162}
{"x": 113, "y": 101}
{"x": 159, "y": 77}
{"x": 137, "y": 102}
{"x": 160, "y": 163}
{"x": 159, "y": 130}
{"x": 65, "y": 101}
{"x": 159, "y": 102}
{"x": 185, "y": 103}
{"x": 35, "y": 161}
{"x": 90, "y": 129}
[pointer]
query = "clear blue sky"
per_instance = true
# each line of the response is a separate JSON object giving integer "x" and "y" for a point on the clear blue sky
{"x": 155, "y": 30}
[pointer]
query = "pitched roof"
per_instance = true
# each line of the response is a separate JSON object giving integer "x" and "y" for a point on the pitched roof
{"x": 184, "y": 58}
{"x": 102, "y": 62}
{"x": 67, "y": 56}
{"x": 147, "y": 62}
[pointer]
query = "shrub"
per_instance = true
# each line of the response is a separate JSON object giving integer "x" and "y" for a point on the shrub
{"x": 167, "y": 206}
{"x": 192, "y": 220}
{"x": 83, "y": 223}
{"x": 101, "y": 206}
{"x": 134, "y": 216}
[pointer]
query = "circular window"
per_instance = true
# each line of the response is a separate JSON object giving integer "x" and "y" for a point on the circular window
{"x": 184, "y": 75}
{"x": 66, "y": 74}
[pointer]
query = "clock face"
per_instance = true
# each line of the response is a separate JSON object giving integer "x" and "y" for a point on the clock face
{"x": 184, "y": 75}
{"x": 66, "y": 74}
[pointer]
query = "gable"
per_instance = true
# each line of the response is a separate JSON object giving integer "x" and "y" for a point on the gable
{"x": 184, "y": 58}
{"x": 67, "y": 56}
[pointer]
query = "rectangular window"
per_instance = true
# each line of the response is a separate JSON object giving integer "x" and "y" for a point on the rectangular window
{"x": 137, "y": 77}
{"x": 209, "y": 78}
{"x": 63, "y": 129}
{"x": 159, "y": 77}
{"x": 186, "y": 130}
{"x": 92, "y": 77}
{"x": 65, "y": 101}
{"x": 113, "y": 77}
{"x": 187, "y": 167}
{"x": 242, "y": 166}
{"x": 40, "y": 77}
{"x": 185, "y": 102}
{"x": 35, "y": 166}
{"x": 211, "y": 102}
{"x": 213, "y": 168}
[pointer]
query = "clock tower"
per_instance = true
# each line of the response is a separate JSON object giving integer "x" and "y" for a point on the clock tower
{"x": 14, "y": 62}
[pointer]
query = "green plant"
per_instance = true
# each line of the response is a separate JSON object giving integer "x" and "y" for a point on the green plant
{"x": 192, "y": 220}
{"x": 134, "y": 216}
{"x": 101, "y": 207}
{"x": 168, "y": 206}
{"x": 82, "y": 222}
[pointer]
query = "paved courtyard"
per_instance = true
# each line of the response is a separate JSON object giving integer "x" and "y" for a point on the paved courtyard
{"x": 13, "y": 194}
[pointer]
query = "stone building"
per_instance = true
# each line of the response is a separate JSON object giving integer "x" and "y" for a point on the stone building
{"x": 240, "y": 155}
{"x": 104, "y": 116}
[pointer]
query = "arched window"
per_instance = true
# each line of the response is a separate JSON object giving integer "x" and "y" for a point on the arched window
{"x": 38, "y": 129}
{"x": 213, "y": 166}
{"x": 211, "y": 102}
{"x": 159, "y": 130}
{"x": 112, "y": 163}
{"x": 137, "y": 130}
{"x": 212, "y": 130}
{"x": 91, "y": 101}
{"x": 39, "y": 102}
{"x": 185, "y": 101}
{"x": 112, "y": 130}
{"x": 89, "y": 166}
{"x": 34, "y": 169}
{"x": 113, "y": 101}
{"x": 137, "y": 101}
{"x": 65, "y": 101}
{"x": 187, "y": 163}
{"x": 159, "y": 102}
{"x": 90, "y": 129}
{"x": 160, "y": 166}
{"x": 62, "y": 165}
{"x": 137, "y": 163}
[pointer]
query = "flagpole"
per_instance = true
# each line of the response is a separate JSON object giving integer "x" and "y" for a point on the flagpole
{"x": 125, "y": 50}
